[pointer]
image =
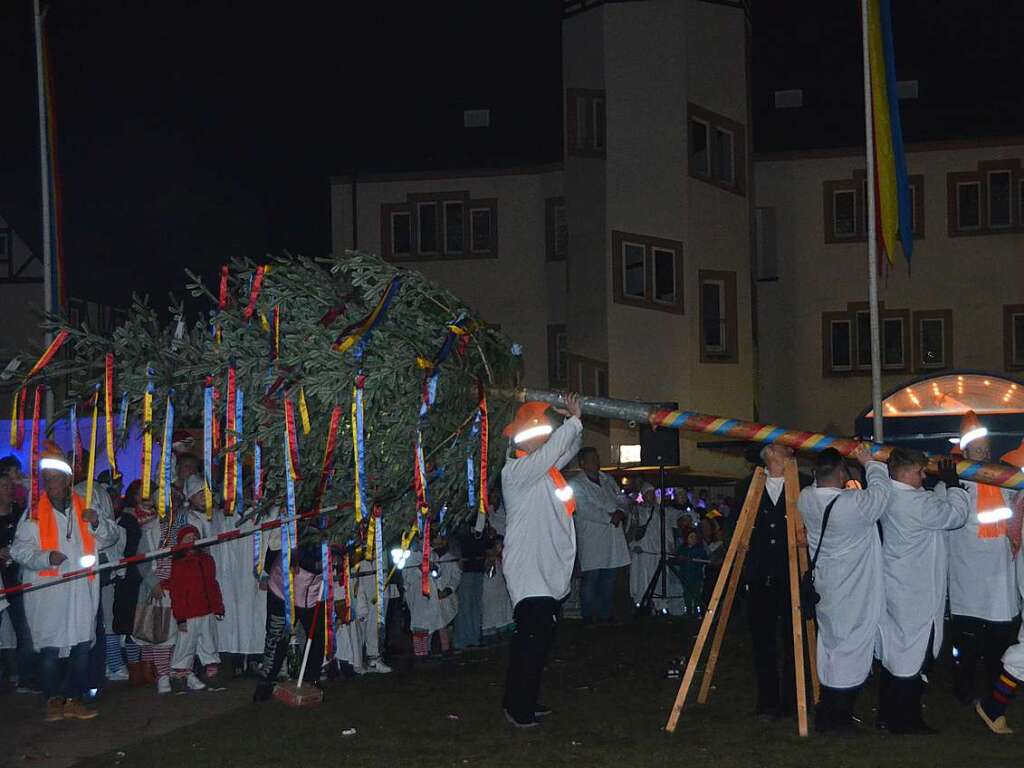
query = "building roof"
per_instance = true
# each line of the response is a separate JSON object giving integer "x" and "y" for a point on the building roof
{"x": 427, "y": 173}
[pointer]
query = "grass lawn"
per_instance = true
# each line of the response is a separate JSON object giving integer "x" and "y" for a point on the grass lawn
{"x": 611, "y": 700}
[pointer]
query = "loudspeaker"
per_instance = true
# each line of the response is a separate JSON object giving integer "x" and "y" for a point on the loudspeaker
{"x": 659, "y": 447}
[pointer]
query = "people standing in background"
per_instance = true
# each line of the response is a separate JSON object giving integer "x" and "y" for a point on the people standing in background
{"x": 848, "y": 577}
{"x": 196, "y": 603}
{"x": 600, "y": 515}
{"x": 473, "y": 548}
{"x": 434, "y": 611}
{"x": 126, "y": 590}
{"x": 23, "y": 675}
{"x": 645, "y": 533}
{"x": 984, "y": 601}
{"x": 915, "y": 561}
{"x": 10, "y": 466}
{"x": 692, "y": 558}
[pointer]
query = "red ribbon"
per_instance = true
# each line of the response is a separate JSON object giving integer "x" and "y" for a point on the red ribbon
{"x": 257, "y": 283}
{"x": 48, "y": 354}
{"x": 229, "y": 445}
{"x": 216, "y": 422}
{"x": 293, "y": 443}
{"x": 328, "y": 468}
{"x": 345, "y": 588}
{"x": 484, "y": 501}
{"x": 222, "y": 304}
{"x": 331, "y": 315}
{"x": 425, "y": 565}
{"x": 33, "y": 460}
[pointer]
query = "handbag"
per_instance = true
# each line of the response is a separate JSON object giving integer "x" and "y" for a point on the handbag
{"x": 809, "y": 597}
{"x": 152, "y": 623}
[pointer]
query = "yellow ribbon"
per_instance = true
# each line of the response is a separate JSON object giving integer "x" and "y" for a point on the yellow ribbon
{"x": 147, "y": 443}
{"x": 304, "y": 412}
{"x": 14, "y": 420}
{"x": 92, "y": 451}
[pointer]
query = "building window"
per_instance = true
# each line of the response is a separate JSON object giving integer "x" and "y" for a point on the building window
{"x": 999, "y": 185}
{"x": 1013, "y": 336}
{"x": 589, "y": 377}
{"x": 987, "y": 201}
{"x": 933, "y": 340}
{"x": 718, "y": 321}
{"x": 444, "y": 225}
{"x": 5, "y": 246}
{"x": 454, "y": 231}
{"x": 646, "y": 271}
{"x": 700, "y": 157}
{"x": 844, "y": 213}
{"x": 717, "y": 149}
{"x": 968, "y": 205}
{"x": 846, "y": 208}
{"x": 585, "y": 122}
{"x": 558, "y": 355}
{"x": 481, "y": 230}
{"x": 846, "y": 340}
{"x": 557, "y": 229}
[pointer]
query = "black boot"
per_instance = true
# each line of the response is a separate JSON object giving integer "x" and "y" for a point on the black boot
{"x": 264, "y": 691}
{"x": 965, "y": 664}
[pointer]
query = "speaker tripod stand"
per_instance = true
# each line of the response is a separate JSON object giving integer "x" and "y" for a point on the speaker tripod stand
{"x": 727, "y": 583}
{"x": 661, "y": 572}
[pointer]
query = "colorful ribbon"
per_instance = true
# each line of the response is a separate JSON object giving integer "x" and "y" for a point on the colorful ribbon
{"x": 327, "y": 595}
{"x": 239, "y": 402}
{"x": 292, "y": 440}
{"x": 230, "y": 443}
{"x": 166, "y": 481}
{"x": 346, "y": 586}
{"x": 485, "y": 502}
{"x": 327, "y": 471}
{"x": 108, "y": 414}
{"x": 379, "y": 566}
{"x": 358, "y": 449}
{"x": 257, "y": 472}
{"x": 147, "y": 437}
{"x": 275, "y": 347}
{"x": 33, "y": 470}
{"x": 254, "y": 293}
{"x": 425, "y": 563}
{"x": 304, "y": 413}
{"x": 208, "y": 447}
{"x": 122, "y": 420}
{"x": 14, "y": 420}
{"x": 90, "y": 473}
{"x": 289, "y": 539}
{"x": 76, "y": 442}
{"x": 357, "y": 333}
{"x": 222, "y": 302}
{"x": 48, "y": 354}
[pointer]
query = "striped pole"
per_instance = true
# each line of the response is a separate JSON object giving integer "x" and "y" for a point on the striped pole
{"x": 812, "y": 442}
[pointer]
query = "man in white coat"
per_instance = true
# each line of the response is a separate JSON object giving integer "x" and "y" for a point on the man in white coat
{"x": 984, "y": 601}
{"x": 540, "y": 545}
{"x": 915, "y": 563}
{"x": 645, "y": 546}
{"x": 600, "y": 513}
{"x": 58, "y": 536}
{"x": 848, "y": 577}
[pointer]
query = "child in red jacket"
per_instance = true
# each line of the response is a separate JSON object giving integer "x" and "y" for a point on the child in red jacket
{"x": 195, "y": 602}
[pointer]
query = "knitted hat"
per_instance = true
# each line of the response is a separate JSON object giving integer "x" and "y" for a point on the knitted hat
{"x": 193, "y": 484}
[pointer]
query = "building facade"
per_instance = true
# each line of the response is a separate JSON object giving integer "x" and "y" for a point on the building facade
{"x": 664, "y": 261}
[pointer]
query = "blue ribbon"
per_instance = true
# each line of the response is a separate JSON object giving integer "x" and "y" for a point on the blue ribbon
{"x": 166, "y": 447}
{"x": 122, "y": 426}
{"x": 288, "y": 536}
{"x": 239, "y": 400}
{"x": 361, "y": 452}
{"x": 470, "y": 464}
{"x": 73, "y": 424}
{"x": 208, "y": 437}
{"x": 379, "y": 562}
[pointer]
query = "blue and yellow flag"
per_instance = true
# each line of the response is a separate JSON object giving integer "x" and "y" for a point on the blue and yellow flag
{"x": 893, "y": 210}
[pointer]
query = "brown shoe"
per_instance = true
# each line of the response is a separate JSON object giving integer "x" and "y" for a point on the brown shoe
{"x": 54, "y": 709}
{"x": 76, "y": 710}
{"x": 997, "y": 726}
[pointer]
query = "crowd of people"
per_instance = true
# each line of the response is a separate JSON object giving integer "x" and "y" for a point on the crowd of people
{"x": 888, "y": 557}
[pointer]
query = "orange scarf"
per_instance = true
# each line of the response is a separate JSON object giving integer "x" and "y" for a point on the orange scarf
{"x": 562, "y": 488}
{"x": 990, "y": 498}
{"x": 48, "y": 533}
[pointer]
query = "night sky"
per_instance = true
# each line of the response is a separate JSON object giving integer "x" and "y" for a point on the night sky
{"x": 193, "y": 131}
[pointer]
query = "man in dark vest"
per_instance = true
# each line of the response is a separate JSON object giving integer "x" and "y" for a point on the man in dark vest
{"x": 766, "y": 579}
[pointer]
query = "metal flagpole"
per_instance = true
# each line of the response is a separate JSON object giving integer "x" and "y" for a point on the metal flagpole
{"x": 44, "y": 176}
{"x": 869, "y": 153}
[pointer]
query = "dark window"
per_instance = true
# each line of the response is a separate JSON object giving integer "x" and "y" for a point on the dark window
{"x": 968, "y": 214}
{"x": 482, "y": 237}
{"x": 585, "y": 122}
{"x": 724, "y": 169}
{"x": 933, "y": 343}
{"x": 864, "y": 340}
{"x": 844, "y": 217}
{"x": 839, "y": 331}
{"x": 5, "y": 248}
{"x": 401, "y": 234}
{"x": 601, "y": 382}
{"x": 426, "y": 214}
{"x": 558, "y": 355}
{"x": 664, "y": 275}
{"x": 634, "y": 283}
{"x": 712, "y": 317}
{"x": 699, "y": 154}
{"x": 454, "y": 232}
{"x": 999, "y": 198}
{"x": 892, "y": 351}
{"x": 598, "y": 117}
{"x": 557, "y": 226}
{"x": 1018, "y": 340}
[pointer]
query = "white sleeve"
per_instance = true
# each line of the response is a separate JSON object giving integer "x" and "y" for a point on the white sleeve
{"x": 946, "y": 511}
{"x": 873, "y": 500}
{"x": 561, "y": 445}
{"x": 25, "y": 548}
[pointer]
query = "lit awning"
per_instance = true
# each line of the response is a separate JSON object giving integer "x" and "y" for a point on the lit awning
{"x": 952, "y": 395}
